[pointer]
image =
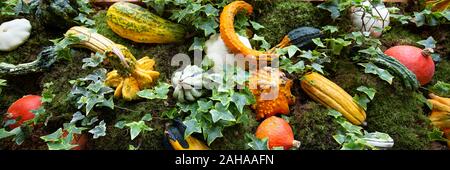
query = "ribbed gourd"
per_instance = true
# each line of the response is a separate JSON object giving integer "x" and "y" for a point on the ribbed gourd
{"x": 408, "y": 78}
{"x": 138, "y": 24}
{"x": 187, "y": 83}
{"x": 272, "y": 90}
{"x": 332, "y": 96}
{"x": 300, "y": 37}
{"x": 174, "y": 138}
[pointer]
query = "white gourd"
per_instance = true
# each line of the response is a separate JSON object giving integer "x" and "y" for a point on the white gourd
{"x": 187, "y": 83}
{"x": 14, "y": 33}
{"x": 218, "y": 52}
{"x": 380, "y": 13}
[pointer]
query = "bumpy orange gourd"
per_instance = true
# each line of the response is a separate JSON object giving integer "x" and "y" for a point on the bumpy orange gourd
{"x": 228, "y": 34}
{"x": 272, "y": 91}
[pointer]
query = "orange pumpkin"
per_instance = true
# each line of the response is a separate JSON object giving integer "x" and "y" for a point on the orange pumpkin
{"x": 278, "y": 132}
{"x": 272, "y": 91}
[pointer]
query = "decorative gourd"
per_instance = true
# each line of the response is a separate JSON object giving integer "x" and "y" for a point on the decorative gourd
{"x": 174, "y": 136}
{"x": 14, "y": 33}
{"x": 332, "y": 96}
{"x": 228, "y": 33}
{"x": 367, "y": 21}
{"x": 21, "y": 109}
{"x": 136, "y": 23}
{"x": 278, "y": 132}
{"x": 187, "y": 83}
{"x": 130, "y": 75}
{"x": 380, "y": 143}
{"x": 272, "y": 91}
{"x": 43, "y": 61}
{"x": 300, "y": 37}
{"x": 218, "y": 52}
{"x": 409, "y": 78}
{"x": 415, "y": 59}
{"x": 59, "y": 14}
{"x": 440, "y": 114}
{"x": 110, "y": 2}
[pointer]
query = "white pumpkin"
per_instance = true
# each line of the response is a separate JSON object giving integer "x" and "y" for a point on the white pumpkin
{"x": 380, "y": 18}
{"x": 218, "y": 52}
{"x": 14, "y": 33}
{"x": 187, "y": 83}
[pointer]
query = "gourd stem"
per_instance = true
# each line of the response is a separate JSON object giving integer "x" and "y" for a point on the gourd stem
{"x": 44, "y": 60}
{"x": 296, "y": 144}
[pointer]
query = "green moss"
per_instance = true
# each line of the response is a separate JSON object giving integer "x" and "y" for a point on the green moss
{"x": 280, "y": 17}
{"x": 442, "y": 72}
{"x": 399, "y": 35}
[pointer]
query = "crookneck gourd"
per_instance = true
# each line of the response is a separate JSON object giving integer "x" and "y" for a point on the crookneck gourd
{"x": 272, "y": 90}
{"x": 332, "y": 96}
{"x": 138, "y": 24}
{"x": 440, "y": 114}
{"x": 130, "y": 75}
{"x": 300, "y": 37}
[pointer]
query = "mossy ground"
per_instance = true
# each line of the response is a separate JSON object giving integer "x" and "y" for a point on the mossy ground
{"x": 394, "y": 110}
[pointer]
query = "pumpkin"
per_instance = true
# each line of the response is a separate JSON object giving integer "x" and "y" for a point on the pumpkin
{"x": 332, "y": 96}
{"x": 21, "y": 109}
{"x": 187, "y": 83}
{"x": 366, "y": 21}
{"x": 229, "y": 36}
{"x": 272, "y": 90}
{"x": 218, "y": 52}
{"x": 136, "y": 23}
{"x": 14, "y": 33}
{"x": 278, "y": 132}
{"x": 415, "y": 59}
{"x": 175, "y": 139}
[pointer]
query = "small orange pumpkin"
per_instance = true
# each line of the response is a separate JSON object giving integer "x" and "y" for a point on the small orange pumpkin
{"x": 278, "y": 132}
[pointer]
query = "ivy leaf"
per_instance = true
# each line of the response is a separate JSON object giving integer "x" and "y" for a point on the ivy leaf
{"x": 76, "y": 117}
{"x": 370, "y": 92}
{"x": 264, "y": 44}
{"x": 192, "y": 126}
{"x": 93, "y": 61}
{"x": 99, "y": 130}
{"x": 221, "y": 112}
{"x": 53, "y": 137}
{"x": 334, "y": 113}
{"x": 373, "y": 69}
{"x": 198, "y": 44}
{"x": 362, "y": 101}
{"x": 4, "y": 133}
{"x": 287, "y": 65}
{"x": 291, "y": 50}
{"x": 441, "y": 89}
{"x": 255, "y": 143}
{"x": 147, "y": 117}
{"x": 428, "y": 43}
{"x": 256, "y": 25}
{"x": 208, "y": 25}
{"x": 332, "y": 6}
{"x": 120, "y": 124}
{"x": 318, "y": 42}
{"x": 436, "y": 135}
{"x": 158, "y": 92}
{"x": 330, "y": 28}
{"x": 340, "y": 138}
{"x": 317, "y": 67}
{"x": 204, "y": 106}
{"x": 137, "y": 127}
{"x": 212, "y": 134}
{"x": 371, "y": 51}
{"x": 240, "y": 100}
{"x": 210, "y": 10}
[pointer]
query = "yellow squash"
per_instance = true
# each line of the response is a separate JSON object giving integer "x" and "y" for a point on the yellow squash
{"x": 332, "y": 96}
